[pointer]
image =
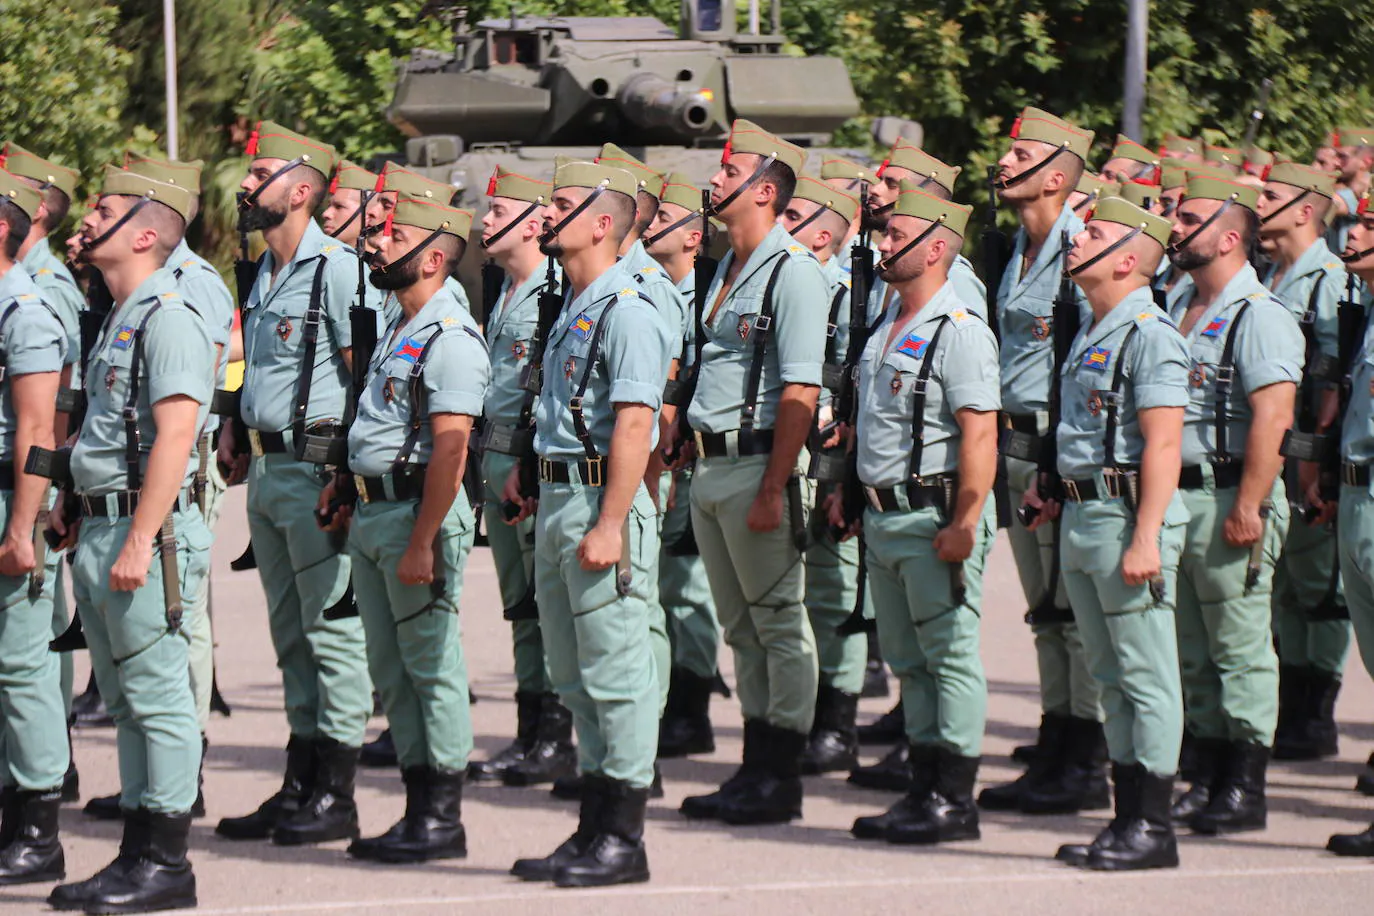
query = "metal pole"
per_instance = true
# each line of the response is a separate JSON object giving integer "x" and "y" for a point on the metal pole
{"x": 169, "y": 52}
{"x": 753, "y": 17}
{"x": 1137, "y": 37}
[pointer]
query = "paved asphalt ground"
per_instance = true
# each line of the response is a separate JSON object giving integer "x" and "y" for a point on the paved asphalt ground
{"x": 810, "y": 866}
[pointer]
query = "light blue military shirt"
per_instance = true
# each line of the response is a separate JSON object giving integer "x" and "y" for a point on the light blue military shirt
{"x": 970, "y": 289}
{"x": 1268, "y": 350}
{"x": 510, "y": 334}
{"x": 177, "y": 359}
{"x": 1025, "y": 309}
{"x": 441, "y": 343}
{"x": 796, "y": 338}
{"x": 32, "y": 340}
{"x": 459, "y": 294}
{"x": 60, "y": 290}
{"x": 203, "y": 289}
{"x": 274, "y": 319}
{"x": 662, "y": 292}
{"x": 631, "y": 364}
{"x": 1317, "y": 271}
{"x": 963, "y": 376}
{"x": 1357, "y": 430}
{"x": 1339, "y": 229}
{"x": 1155, "y": 374}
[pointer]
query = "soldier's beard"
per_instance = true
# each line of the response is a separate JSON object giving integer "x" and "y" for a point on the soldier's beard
{"x": 872, "y": 221}
{"x": 260, "y": 217}
{"x": 398, "y": 277}
{"x": 904, "y": 270}
{"x": 550, "y": 247}
{"x": 1191, "y": 259}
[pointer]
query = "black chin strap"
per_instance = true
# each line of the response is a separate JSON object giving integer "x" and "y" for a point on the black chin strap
{"x": 406, "y": 258}
{"x": 887, "y": 207}
{"x": 250, "y": 200}
{"x": 1075, "y": 271}
{"x": 1090, "y": 199}
{"x": 815, "y": 215}
{"x": 552, "y": 232}
{"x": 119, "y": 224}
{"x": 1174, "y": 250}
{"x": 1264, "y": 220}
{"x": 1017, "y": 179}
{"x": 690, "y": 217}
{"x": 892, "y": 259}
{"x": 748, "y": 183}
{"x": 1360, "y": 255}
{"x": 366, "y": 196}
{"x": 501, "y": 233}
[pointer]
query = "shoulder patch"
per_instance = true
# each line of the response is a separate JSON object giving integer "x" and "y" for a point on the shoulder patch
{"x": 1146, "y": 316}
{"x": 960, "y": 316}
{"x": 648, "y": 270}
{"x": 1332, "y": 265}
{"x": 327, "y": 249}
{"x": 450, "y": 322}
{"x": 43, "y": 272}
{"x": 627, "y": 291}
{"x": 798, "y": 251}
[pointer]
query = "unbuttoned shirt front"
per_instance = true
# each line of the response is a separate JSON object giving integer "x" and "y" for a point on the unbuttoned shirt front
{"x": 796, "y": 335}
{"x": 32, "y": 340}
{"x": 176, "y": 358}
{"x": 1268, "y": 350}
{"x": 1154, "y": 373}
{"x": 273, "y": 334}
{"x": 963, "y": 376}
{"x": 510, "y": 334}
{"x": 439, "y": 356}
{"x": 60, "y": 290}
{"x": 631, "y": 363}
{"x": 1025, "y": 309}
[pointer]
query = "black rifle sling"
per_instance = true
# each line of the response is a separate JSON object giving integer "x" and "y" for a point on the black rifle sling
{"x": 1114, "y": 402}
{"x": 132, "y": 442}
{"x": 918, "y": 404}
{"x": 762, "y": 325}
{"x": 419, "y": 397}
{"x": 584, "y": 433}
{"x": 1226, "y": 373}
{"x": 310, "y": 333}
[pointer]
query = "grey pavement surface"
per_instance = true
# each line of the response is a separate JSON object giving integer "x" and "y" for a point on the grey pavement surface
{"x": 810, "y": 866}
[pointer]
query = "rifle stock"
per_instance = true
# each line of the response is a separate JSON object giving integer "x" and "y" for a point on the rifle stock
{"x": 994, "y": 253}
{"x": 847, "y": 401}
{"x": 704, "y": 271}
{"x": 1065, "y": 322}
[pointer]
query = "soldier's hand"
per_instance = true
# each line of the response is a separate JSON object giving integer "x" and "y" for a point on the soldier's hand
{"x": 765, "y": 513}
{"x": 1140, "y": 563}
{"x": 332, "y": 517}
{"x": 1046, "y": 510}
{"x": 954, "y": 544}
{"x": 1326, "y": 508}
{"x": 130, "y": 570}
{"x": 65, "y": 529}
{"x": 233, "y": 467}
{"x": 510, "y": 493}
{"x": 686, "y": 454}
{"x": 16, "y": 557}
{"x": 600, "y": 548}
{"x": 417, "y": 565}
{"x": 1243, "y": 526}
{"x": 672, "y": 492}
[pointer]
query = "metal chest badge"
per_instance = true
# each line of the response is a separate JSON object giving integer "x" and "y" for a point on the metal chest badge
{"x": 895, "y": 386}
{"x": 743, "y": 328}
{"x": 284, "y": 328}
{"x": 1095, "y": 403}
{"x": 1197, "y": 376}
{"x": 110, "y": 376}
{"x": 569, "y": 367}
{"x": 1041, "y": 331}
{"x": 389, "y": 390}
{"x": 517, "y": 350}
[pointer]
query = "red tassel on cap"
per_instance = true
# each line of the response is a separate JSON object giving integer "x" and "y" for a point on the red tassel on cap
{"x": 379, "y": 186}
{"x": 725, "y": 153}
{"x": 1335, "y": 138}
{"x": 1264, "y": 175}
{"x": 390, "y": 217}
{"x": 334, "y": 183}
{"x": 1157, "y": 176}
{"x": 1016, "y": 128}
{"x": 252, "y": 148}
{"x": 491, "y": 185}
{"x": 882, "y": 168}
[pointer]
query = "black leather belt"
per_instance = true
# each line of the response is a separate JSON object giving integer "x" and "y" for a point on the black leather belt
{"x": 1027, "y": 423}
{"x": 938, "y": 494}
{"x": 1354, "y": 475}
{"x": 124, "y": 504}
{"x": 1224, "y": 476}
{"x": 589, "y": 473}
{"x": 267, "y": 443}
{"x": 1082, "y": 491}
{"x": 718, "y": 445}
{"x": 392, "y": 487}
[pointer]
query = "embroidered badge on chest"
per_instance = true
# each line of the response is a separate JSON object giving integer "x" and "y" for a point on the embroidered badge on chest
{"x": 569, "y": 367}
{"x": 123, "y": 338}
{"x": 1215, "y": 327}
{"x": 389, "y": 390}
{"x": 284, "y": 328}
{"x": 1097, "y": 358}
{"x": 743, "y": 328}
{"x": 1095, "y": 403}
{"x": 913, "y": 346}
{"x": 1041, "y": 331}
{"x": 1197, "y": 376}
{"x": 582, "y": 326}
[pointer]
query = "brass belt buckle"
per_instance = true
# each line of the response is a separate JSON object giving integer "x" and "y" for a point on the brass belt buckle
{"x": 1348, "y": 474}
{"x": 595, "y": 476}
{"x": 360, "y": 482}
{"x": 255, "y": 443}
{"x": 701, "y": 443}
{"x": 545, "y": 470}
{"x": 1071, "y": 490}
{"x": 871, "y": 493}
{"x": 1112, "y": 482}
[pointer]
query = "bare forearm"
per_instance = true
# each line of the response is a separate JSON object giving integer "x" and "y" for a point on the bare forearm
{"x": 29, "y": 490}
{"x": 626, "y": 463}
{"x": 162, "y": 480}
{"x": 977, "y": 467}
{"x": 443, "y": 480}
{"x": 791, "y": 428}
{"x": 1273, "y": 415}
{"x": 1159, "y": 466}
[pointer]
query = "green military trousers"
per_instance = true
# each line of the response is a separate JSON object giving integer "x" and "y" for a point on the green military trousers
{"x": 832, "y": 587}
{"x": 512, "y": 550}
{"x": 323, "y": 663}
{"x": 693, "y": 629}
{"x": 33, "y": 722}
{"x": 414, "y": 644}
{"x": 659, "y": 641}
{"x": 1355, "y": 528}
{"x": 200, "y": 626}
{"x": 1067, "y": 687}
{"x": 928, "y": 630}
{"x": 141, "y": 665}
{"x": 1311, "y": 623}
{"x": 1128, "y": 635}
{"x": 1225, "y": 631}
{"x": 757, "y": 584}
{"x": 598, "y": 640}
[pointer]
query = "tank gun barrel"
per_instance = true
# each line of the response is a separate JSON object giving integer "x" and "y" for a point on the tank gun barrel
{"x": 652, "y": 102}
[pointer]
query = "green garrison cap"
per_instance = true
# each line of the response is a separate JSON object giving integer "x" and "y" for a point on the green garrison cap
{"x": 1208, "y": 187}
{"x": 270, "y": 140}
{"x": 679, "y": 189}
{"x": 1136, "y": 192}
{"x": 817, "y": 191}
{"x": 1119, "y": 210}
{"x": 594, "y": 175}
{"x": 512, "y": 185}
{"x": 1126, "y": 148}
{"x": 1353, "y": 136}
{"x": 1223, "y": 156}
{"x": 354, "y": 177}
{"x": 748, "y": 137}
{"x": 18, "y": 161}
{"x": 907, "y": 155}
{"x": 1301, "y": 176}
{"x": 1095, "y": 186}
{"x": 131, "y": 184}
{"x": 404, "y": 181}
{"x": 1172, "y": 174}
{"x": 912, "y": 201}
{"x": 837, "y": 167}
{"x": 1258, "y": 158}
{"x": 1037, "y": 124}
{"x": 168, "y": 171}
{"x": 20, "y": 193}
{"x": 427, "y": 213}
{"x": 1173, "y": 143}
{"x": 649, "y": 181}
